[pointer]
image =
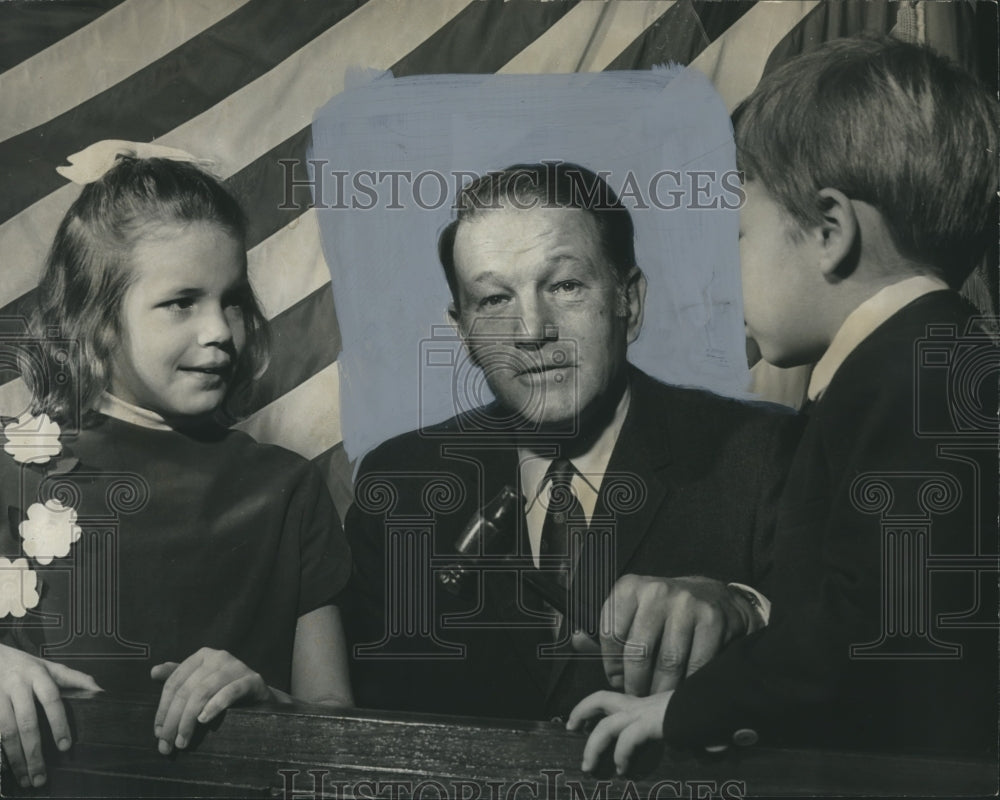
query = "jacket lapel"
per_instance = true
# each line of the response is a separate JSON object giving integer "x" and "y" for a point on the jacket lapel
{"x": 634, "y": 487}
{"x": 499, "y": 468}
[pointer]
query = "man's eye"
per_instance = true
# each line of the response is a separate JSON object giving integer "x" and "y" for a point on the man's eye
{"x": 493, "y": 301}
{"x": 566, "y": 287}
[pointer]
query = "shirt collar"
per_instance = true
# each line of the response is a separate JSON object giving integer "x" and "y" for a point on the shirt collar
{"x": 112, "y": 406}
{"x": 862, "y": 322}
{"x": 591, "y": 465}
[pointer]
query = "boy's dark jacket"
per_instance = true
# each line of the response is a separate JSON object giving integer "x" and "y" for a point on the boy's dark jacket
{"x": 899, "y": 452}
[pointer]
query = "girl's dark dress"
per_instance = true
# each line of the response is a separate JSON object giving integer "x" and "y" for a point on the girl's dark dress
{"x": 188, "y": 541}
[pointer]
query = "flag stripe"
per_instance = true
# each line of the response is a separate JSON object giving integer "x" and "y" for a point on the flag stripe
{"x": 305, "y": 339}
{"x": 717, "y": 18}
{"x": 306, "y": 419}
{"x": 96, "y": 57}
{"x": 288, "y": 265}
{"x": 239, "y": 129}
{"x": 336, "y": 468}
{"x": 28, "y": 28}
{"x": 192, "y": 78}
{"x": 587, "y": 38}
{"x": 735, "y": 62}
{"x": 260, "y": 188}
{"x": 676, "y": 37}
{"x": 504, "y": 28}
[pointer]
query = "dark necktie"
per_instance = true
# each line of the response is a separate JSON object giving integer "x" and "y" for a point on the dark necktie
{"x": 562, "y": 514}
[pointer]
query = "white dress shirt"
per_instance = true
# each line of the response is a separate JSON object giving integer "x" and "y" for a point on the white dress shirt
{"x": 586, "y": 484}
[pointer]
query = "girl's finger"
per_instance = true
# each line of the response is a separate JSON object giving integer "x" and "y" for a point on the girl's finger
{"x": 209, "y": 679}
{"x": 47, "y": 693}
{"x": 174, "y": 681}
{"x": 163, "y": 671}
{"x": 23, "y": 704}
{"x": 11, "y": 740}
{"x": 243, "y": 687}
{"x": 67, "y": 678}
{"x": 184, "y": 697}
{"x": 603, "y": 734}
{"x": 597, "y": 704}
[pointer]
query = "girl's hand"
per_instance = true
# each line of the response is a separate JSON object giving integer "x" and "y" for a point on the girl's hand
{"x": 23, "y": 680}
{"x": 633, "y": 721}
{"x": 197, "y": 690}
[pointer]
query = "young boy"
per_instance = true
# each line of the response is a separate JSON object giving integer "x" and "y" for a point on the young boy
{"x": 871, "y": 194}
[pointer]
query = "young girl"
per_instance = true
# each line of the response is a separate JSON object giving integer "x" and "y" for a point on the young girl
{"x": 153, "y": 543}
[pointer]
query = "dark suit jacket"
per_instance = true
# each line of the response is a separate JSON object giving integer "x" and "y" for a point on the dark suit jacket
{"x": 865, "y": 501}
{"x": 690, "y": 490}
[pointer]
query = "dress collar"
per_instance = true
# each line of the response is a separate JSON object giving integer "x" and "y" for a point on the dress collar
{"x": 112, "y": 406}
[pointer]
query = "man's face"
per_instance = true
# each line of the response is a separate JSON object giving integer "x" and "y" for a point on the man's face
{"x": 542, "y": 313}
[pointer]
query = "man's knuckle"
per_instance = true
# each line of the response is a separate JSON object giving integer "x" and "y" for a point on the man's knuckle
{"x": 669, "y": 661}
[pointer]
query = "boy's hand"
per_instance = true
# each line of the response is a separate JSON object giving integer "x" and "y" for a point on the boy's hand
{"x": 23, "y": 680}
{"x": 633, "y": 721}
{"x": 657, "y": 631}
{"x": 197, "y": 690}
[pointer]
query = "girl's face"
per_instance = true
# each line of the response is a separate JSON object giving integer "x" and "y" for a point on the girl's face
{"x": 182, "y": 325}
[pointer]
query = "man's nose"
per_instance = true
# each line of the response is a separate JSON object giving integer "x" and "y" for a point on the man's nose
{"x": 538, "y": 325}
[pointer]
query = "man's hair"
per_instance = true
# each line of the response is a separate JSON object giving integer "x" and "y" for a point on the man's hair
{"x": 89, "y": 269}
{"x": 891, "y": 124}
{"x": 551, "y": 184}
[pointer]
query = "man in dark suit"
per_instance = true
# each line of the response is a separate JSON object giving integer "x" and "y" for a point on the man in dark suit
{"x": 660, "y": 481}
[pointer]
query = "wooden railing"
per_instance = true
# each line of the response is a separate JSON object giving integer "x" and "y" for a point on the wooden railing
{"x": 299, "y": 752}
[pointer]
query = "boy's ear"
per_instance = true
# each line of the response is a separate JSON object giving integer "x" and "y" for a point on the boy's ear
{"x": 838, "y": 235}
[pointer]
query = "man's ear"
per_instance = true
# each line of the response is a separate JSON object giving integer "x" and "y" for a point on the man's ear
{"x": 837, "y": 236}
{"x": 635, "y": 302}
{"x": 455, "y": 320}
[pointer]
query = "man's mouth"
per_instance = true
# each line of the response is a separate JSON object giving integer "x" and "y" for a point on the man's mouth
{"x": 541, "y": 369}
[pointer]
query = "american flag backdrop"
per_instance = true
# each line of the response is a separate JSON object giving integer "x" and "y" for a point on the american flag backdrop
{"x": 237, "y": 82}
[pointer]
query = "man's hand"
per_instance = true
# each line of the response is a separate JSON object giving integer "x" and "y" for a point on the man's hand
{"x": 23, "y": 680}
{"x": 197, "y": 690}
{"x": 632, "y": 721}
{"x": 656, "y": 631}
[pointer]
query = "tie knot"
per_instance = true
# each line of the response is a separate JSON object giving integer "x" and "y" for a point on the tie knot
{"x": 561, "y": 472}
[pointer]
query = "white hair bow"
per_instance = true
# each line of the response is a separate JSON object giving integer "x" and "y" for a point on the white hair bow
{"x": 91, "y": 163}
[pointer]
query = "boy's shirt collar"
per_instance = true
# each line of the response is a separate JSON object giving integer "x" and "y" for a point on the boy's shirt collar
{"x": 861, "y": 322}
